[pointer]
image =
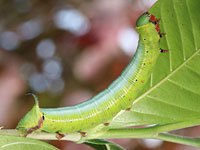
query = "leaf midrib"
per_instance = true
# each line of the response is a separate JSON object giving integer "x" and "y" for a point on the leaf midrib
{"x": 166, "y": 78}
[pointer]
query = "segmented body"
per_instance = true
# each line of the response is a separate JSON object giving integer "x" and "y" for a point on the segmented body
{"x": 104, "y": 106}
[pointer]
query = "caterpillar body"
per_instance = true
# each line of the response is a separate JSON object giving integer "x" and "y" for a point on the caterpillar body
{"x": 104, "y": 106}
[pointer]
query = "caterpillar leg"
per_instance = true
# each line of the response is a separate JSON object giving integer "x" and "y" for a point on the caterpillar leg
{"x": 163, "y": 50}
{"x": 59, "y": 135}
{"x": 163, "y": 34}
{"x": 128, "y": 109}
{"x": 83, "y": 134}
{"x": 156, "y": 21}
{"x": 106, "y": 124}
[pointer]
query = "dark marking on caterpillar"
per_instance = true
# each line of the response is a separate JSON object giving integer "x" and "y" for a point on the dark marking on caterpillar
{"x": 163, "y": 50}
{"x": 34, "y": 128}
{"x": 94, "y": 109}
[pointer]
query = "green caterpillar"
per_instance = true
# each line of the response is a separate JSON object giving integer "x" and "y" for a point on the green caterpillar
{"x": 103, "y": 107}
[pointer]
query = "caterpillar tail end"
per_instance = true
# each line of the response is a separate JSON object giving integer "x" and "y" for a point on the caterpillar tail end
{"x": 34, "y": 96}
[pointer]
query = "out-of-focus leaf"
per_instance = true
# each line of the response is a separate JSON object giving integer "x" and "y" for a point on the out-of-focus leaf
{"x": 21, "y": 143}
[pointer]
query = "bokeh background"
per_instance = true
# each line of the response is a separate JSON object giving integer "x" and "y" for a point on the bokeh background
{"x": 66, "y": 51}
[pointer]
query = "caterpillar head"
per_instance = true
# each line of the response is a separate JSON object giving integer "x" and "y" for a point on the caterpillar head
{"x": 33, "y": 119}
{"x": 143, "y": 19}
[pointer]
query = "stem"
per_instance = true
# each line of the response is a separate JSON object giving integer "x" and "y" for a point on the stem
{"x": 147, "y": 132}
{"x": 42, "y": 135}
{"x": 154, "y": 132}
{"x": 179, "y": 139}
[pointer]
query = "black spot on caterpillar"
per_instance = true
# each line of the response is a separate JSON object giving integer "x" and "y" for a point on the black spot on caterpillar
{"x": 103, "y": 107}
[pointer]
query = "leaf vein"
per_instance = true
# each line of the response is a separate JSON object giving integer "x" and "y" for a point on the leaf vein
{"x": 190, "y": 18}
{"x": 165, "y": 29}
{"x": 192, "y": 69}
{"x": 180, "y": 33}
{"x": 172, "y": 104}
{"x": 183, "y": 87}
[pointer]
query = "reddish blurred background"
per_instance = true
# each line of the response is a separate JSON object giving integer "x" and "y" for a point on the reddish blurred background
{"x": 66, "y": 51}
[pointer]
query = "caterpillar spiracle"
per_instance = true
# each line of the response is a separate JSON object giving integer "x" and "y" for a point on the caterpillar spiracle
{"x": 118, "y": 96}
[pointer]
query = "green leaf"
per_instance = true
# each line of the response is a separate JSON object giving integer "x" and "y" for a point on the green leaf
{"x": 21, "y": 143}
{"x": 173, "y": 92}
{"x": 103, "y": 145}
